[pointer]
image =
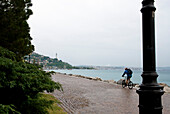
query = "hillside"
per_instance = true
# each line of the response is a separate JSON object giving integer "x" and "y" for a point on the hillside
{"x": 51, "y": 63}
{"x": 47, "y": 62}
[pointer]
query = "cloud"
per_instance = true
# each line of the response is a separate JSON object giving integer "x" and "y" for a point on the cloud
{"x": 96, "y": 32}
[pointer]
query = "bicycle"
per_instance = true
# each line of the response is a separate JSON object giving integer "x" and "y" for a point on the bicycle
{"x": 130, "y": 83}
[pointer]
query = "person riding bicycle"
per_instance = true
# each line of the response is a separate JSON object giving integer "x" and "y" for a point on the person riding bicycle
{"x": 128, "y": 72}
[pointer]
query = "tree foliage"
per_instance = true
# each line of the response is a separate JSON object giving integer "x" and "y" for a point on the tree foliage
{"x": 14, "y": 29}
{"x": 21, "y": 84}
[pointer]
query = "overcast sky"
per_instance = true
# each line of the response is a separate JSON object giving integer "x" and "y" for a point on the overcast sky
{"x": 97, "y": 32}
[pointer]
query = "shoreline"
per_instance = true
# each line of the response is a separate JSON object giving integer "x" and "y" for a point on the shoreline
{"x": 83, "y": 95}
{"x": 136, "y": 85}
{"x": 115, "y": 74}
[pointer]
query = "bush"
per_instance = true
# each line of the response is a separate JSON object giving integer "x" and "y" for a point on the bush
{"x": 21, "y": 84}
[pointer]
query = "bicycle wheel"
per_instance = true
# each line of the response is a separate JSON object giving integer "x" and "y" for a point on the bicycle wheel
{"x": 130, "y": 85}
{"x": 123, "y": 84}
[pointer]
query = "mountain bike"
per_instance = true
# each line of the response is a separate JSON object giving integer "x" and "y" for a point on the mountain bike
{"x": 130, "y": 83}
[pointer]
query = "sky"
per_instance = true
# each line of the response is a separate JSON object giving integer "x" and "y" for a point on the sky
{"x": 97, "y": 32}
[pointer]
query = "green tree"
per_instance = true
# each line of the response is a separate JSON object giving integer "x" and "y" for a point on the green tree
{"x": 21, "y": 85}
{"x": 14, "y": 29}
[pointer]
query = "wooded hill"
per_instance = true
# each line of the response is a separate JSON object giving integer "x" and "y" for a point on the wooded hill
{"x": 47, "y": 62}
{"x": 50, "y": 63}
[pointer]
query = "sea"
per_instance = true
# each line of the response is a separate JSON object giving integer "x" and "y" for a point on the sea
{"x": 116, "y": 74}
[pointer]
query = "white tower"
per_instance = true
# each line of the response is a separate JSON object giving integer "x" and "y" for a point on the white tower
{"x": 56, "y": 55}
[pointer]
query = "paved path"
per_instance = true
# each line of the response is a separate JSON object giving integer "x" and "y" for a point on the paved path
{"x": 83, "y": 96}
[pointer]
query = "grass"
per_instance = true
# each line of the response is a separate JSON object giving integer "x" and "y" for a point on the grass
{"x": 55, "y": 108}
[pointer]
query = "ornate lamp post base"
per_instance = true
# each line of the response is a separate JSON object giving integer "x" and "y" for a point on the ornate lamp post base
{"x": 150, "y": 95}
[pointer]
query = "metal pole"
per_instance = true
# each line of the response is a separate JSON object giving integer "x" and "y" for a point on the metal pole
{"x": 150, "y": 92}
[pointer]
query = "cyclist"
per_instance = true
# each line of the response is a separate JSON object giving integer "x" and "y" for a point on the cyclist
{"x": 128, "y": 72}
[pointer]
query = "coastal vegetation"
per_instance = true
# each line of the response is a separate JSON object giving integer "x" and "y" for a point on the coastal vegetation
{"x": 21, "y": 83}
{"x": 47, "y": 62}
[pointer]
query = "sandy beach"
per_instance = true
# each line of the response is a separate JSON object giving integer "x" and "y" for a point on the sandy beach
{"x": 87, "y": 96}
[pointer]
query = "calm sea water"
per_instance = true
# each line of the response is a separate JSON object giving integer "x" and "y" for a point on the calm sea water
{"x": 164, "y": 75}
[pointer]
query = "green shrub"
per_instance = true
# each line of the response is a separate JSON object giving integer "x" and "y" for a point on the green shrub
{"x": 21, "y": 84}
{"x": 8, "y": 109}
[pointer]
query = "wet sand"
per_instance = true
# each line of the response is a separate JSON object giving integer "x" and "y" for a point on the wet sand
{"x": 84, "y": 96}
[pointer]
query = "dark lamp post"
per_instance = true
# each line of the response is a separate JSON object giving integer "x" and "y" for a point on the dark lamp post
{"x": 150, "y": 92}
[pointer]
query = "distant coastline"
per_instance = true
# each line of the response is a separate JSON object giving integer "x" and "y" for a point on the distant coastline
{"x": 54, "y": 63}
{"x": 111, "y": 68}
